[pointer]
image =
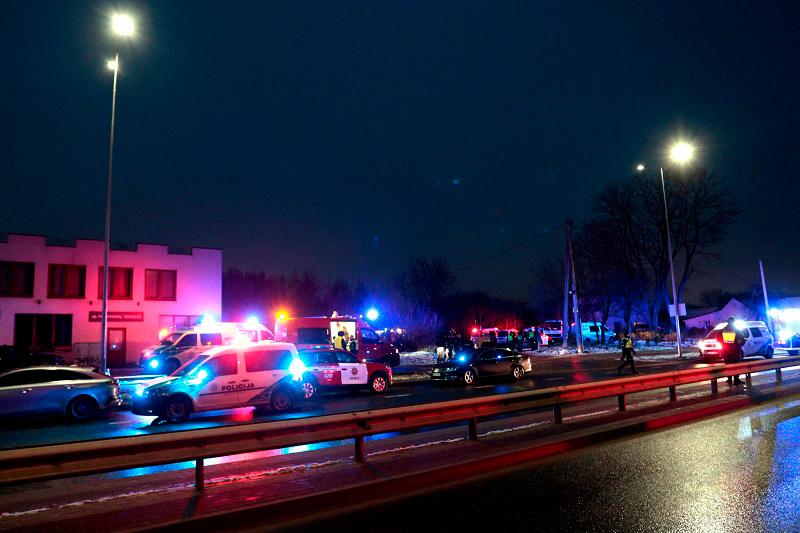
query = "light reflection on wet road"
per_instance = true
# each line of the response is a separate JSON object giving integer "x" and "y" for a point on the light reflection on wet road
{"x": 738, "y": 472}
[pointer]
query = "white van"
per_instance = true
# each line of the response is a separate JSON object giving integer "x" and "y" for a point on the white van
{"x": 265, "y": 375}
{"x": 181, "y": 346}
{"x": 593, "y": 333}
{"x": 757, "y": 341}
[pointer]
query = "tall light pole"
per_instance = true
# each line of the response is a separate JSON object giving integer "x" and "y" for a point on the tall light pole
{"x": 681, "y": 153}
{"x": 122, "y": 26}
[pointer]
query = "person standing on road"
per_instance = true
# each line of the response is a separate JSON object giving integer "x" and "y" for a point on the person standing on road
{"x": 732, "y": 341}
{"x": 626, "y": 343}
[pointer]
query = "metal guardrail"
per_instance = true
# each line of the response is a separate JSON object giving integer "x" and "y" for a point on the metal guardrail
{"x": 110, "y": 455}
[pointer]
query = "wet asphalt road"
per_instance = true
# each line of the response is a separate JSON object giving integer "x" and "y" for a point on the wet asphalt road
{"x": 739, "y": 472}
{"x": 548, "y": 372}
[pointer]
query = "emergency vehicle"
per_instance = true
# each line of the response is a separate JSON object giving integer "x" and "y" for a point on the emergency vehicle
{"x": 552, "y": 332}
{"x": 787, "y": 329}
{"x": 758, "y": 341}
{"x": 320, "y": 331}
{"x": 328, "y": 369}
{"x": 180, "y": 346}
{"x": 494, "y": 336}
{"x": 265, "y": 375}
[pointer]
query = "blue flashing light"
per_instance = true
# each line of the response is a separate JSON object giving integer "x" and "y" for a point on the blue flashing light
{"x": 462, "y": 358}
{"x": 372, "y": 314}
{"x": 252, "y": 320}
{"x": 198, "y": 378}
{"x": 153, "y": 363}
{"x": 297, "y": 368}
{"x": 208, "y": 319}
{"x": 139, "y": 390}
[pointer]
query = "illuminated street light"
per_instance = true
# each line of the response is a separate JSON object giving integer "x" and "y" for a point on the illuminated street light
{"x": 681, "y": 152}
{"x": 122, "y": 26}
{"x": 640, "y": 167}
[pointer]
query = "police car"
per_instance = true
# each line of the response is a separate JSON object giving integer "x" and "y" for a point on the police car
{"x": 327, "y": 369}
{"x": 265, "y": 375}
{"x": 758, "y": 341}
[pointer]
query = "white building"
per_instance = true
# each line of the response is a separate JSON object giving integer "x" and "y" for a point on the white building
{"x": 734, "y": 308}
{"x": 51, "y": 294}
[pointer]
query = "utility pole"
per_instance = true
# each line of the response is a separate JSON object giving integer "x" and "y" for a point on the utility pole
{"x": 766, "y": 298}
{"x": 565, "y": 315}
{"x": 575, "y": 310}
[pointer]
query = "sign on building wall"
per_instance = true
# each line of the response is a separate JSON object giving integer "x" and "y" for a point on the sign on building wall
{"x": 117, "y": 316}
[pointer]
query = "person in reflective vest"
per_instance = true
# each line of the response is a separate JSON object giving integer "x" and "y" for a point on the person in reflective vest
{"x": 340, "y": 342}
{"x": 732, "y": 341}
{"x": 626, "y": 344}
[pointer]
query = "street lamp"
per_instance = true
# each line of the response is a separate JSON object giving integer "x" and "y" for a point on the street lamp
{"x": 122, "y": 26}
{"x": 680, "y": 153}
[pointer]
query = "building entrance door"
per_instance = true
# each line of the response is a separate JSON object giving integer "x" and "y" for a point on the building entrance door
{"x": 116, "y": 348}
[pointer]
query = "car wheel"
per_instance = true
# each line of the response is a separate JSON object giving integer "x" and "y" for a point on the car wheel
{"x": 468, "y": 377}
{"x": 309, "y": 389}
{"x": 379, "y": 383}
{"x": 171, "y": 365}
{"x": 281, "y": 400}
{"x": 177, "y": 409}
{"x": 82, "y": 407}
{"x": 770, "y": 352}
{"x": 517, "y": 372}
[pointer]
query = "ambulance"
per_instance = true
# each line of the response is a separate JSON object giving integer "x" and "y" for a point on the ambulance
{"x": 320, "y": 331}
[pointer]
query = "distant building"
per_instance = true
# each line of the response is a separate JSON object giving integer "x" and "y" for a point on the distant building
{"x": 706, "y": 321}
{"x": 51, "y": 294}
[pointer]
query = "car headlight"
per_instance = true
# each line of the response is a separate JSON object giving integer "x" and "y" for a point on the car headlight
{"x": 140, "y": 390}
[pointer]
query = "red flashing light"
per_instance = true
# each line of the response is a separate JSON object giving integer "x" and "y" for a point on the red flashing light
{"x": 474, "y": 330}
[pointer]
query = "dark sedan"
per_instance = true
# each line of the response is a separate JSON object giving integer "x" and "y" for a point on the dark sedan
{"x": 469, "y": 366}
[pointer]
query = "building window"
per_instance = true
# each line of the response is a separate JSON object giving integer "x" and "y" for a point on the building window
{"x": 16, "y": 279}
{"x": 173, "y": 322}
{"x": 66, "y": 281}
{"x": 160, "y": 284}
{"x": 42, "y": 332}
{"x": 120, "y": 283}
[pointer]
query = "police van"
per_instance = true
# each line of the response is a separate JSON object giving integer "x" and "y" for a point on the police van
{"x": 757, "y": 341}
{"x": 181, "y": 346}
{"x": 266, "y": 375}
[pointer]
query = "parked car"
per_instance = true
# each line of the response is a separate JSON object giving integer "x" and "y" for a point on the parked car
{"x": 181, "y": 346}
{"x": 758, "y": 341}
{"x": 266, "y": 374}
{"x": 336, "y": 369}
{"x": 469, "y": 366}
{"x": 52, "y": 390}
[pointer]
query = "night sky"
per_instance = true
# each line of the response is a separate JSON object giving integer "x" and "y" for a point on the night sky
{"x": 347, "y": 137}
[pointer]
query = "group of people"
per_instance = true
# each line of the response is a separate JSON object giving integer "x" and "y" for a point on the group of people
{"x": 343, "y": 341}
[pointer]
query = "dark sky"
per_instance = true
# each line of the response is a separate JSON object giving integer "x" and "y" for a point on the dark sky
{"x": 346, "y": 137}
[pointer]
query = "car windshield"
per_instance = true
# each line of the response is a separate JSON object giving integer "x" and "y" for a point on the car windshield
{"x": 553, "y": 324}
{"x": 170, "y": 339}
{"x": 191, "y": 365}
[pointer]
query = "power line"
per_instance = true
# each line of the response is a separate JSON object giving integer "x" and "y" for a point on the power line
{"x": 517, "y": 246}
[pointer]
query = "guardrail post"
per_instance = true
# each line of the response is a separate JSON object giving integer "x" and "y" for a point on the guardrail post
{"x": 199, "y": 475}
{"x": 359, "y": 451}
{"x": 673, "y": 393}
{"x": 714, "y": 386}
{"x": 473, "y": 429}
{"x": 748, "y": 379}
{"x": 621, "y": 402}
{"x": 778, "y": 375}
{"x": 557, "y": 418}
